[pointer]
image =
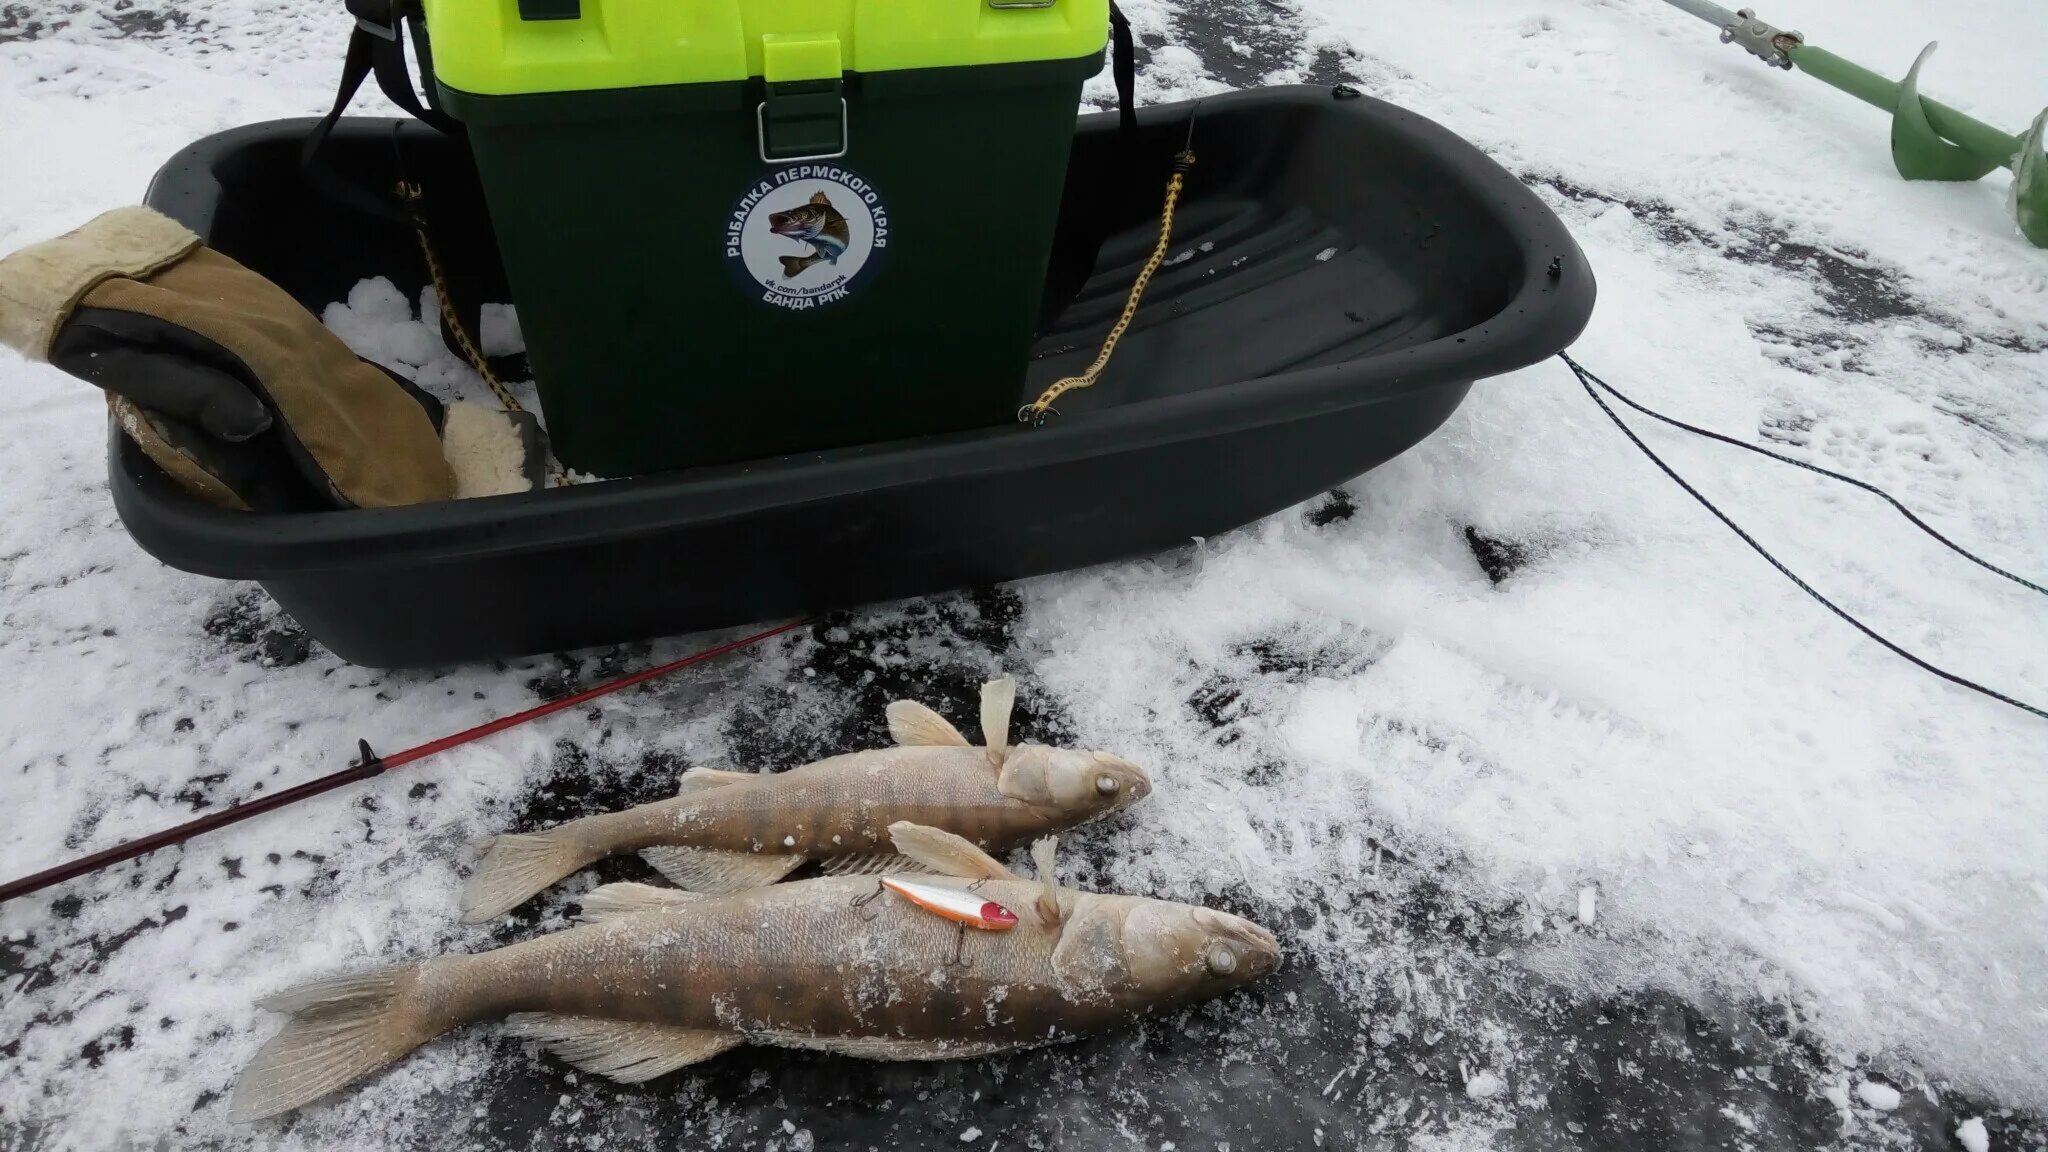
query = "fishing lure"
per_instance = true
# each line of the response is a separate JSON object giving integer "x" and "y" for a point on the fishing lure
{"x": 959, "y": 905}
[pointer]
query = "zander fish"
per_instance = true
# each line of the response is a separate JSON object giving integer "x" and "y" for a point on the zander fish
{"x": 816, "y": 223}
{"x": 729, "y": 831}
{"x": 663, "y": 978}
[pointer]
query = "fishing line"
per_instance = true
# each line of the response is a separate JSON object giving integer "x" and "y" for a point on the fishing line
{"x": 1873, "y": 489}
{"x": 1587, "y": 380}
{"x": 369, "y": 765}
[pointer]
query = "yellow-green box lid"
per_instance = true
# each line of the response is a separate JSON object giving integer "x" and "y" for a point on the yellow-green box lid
{"x": 489, "y": 47}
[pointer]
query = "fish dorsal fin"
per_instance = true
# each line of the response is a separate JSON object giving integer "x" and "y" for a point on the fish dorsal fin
{"x": 717, "y": 873}
{"x": 819, "y": 198}
{"x": 998, "y": 697}
{"x": 914, "y": 726}
{"x": 698, "y": 779}
{"x": 623, "y": 1050}
{"x": 870, "y": 864}
{"x": 612, "y": 901}
{"x": 1044, "y": 852}
{"x": 945, "y": 853}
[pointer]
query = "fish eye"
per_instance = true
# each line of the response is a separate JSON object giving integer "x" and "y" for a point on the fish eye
{"x": 1221, "y": 960}
{"x": 1107, "y": 784}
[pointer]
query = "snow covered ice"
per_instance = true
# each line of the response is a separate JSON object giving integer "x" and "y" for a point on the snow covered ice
{"x": 1425, "y": 727}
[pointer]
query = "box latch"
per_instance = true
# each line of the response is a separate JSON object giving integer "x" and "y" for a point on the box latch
{"x": 804, "y": 116}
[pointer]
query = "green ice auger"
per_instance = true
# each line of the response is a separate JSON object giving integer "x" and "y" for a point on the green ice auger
{"x": 1930, "y": 140}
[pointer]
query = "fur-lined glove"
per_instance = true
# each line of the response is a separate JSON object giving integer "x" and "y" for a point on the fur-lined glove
{"x": 234, "y": 389}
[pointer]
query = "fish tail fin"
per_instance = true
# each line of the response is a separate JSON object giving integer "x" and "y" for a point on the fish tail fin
{"x": 516, "y": 867}
{"x": 792, "y": 265}
{"x": 341, "y": 1031}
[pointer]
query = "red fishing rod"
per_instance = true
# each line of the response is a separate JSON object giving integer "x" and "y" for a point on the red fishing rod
{"x": 368, "y": 766}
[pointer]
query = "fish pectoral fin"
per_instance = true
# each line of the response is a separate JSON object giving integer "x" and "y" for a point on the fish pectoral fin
{"x": 1086, "y": 961}
{"x": 915, "y": 726}
{"x": 890, "y": 1047}
{"x": 945, "y": 853}
{"x": 716, "y": 873}
{"x": 698, "y": 779}
{"x": 870, "y": 864}
{"x": 611, "y": 901}
{"x": 998, "y": 697}
{"x": 624, "y": 1050}
{"x": 1022, "y": 778}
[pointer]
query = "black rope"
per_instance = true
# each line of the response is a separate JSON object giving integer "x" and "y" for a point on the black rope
{"x": 1587, "y": 380}
{"x": 1873, "y": 489}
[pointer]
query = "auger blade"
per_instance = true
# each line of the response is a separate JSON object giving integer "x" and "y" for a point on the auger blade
{"x": 1918, "y": 151}
{"x": 2030, "y": 183}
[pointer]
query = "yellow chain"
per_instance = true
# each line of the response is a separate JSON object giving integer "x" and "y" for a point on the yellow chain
{"x": 409, "y": 192}
{"x": 1034, "y": 412}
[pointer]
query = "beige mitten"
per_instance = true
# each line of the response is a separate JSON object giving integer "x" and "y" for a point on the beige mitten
{"x": 237, "y": 391}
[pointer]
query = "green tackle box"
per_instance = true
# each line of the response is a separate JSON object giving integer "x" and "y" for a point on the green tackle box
{"x": 740, "y": 228}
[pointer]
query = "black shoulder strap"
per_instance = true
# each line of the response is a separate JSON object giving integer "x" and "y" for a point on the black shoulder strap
{"x": 1123, "y": 69}
{"x": 376, "y": 47}
{"x": 1080, "y": 242}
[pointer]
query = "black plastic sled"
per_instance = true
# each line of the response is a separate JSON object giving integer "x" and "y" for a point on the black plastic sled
{"x": 1341, "y": 272}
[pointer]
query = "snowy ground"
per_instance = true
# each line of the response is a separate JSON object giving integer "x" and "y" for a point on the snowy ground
{"x": 1583, "y": 828}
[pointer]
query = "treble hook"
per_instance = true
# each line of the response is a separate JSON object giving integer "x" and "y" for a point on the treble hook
{"x": 959, "y": 960}
{"x": 861, "y": 903}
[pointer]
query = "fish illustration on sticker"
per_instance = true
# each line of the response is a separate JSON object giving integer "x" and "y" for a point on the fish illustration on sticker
{"x": 806, "y": 237}
{"x": 816, "y": 223}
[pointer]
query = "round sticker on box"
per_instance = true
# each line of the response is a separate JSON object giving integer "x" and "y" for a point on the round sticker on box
{"x": 806, "y": 236}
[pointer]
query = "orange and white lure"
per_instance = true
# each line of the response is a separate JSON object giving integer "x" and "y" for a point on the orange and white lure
{"x": 956, "y": 904}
